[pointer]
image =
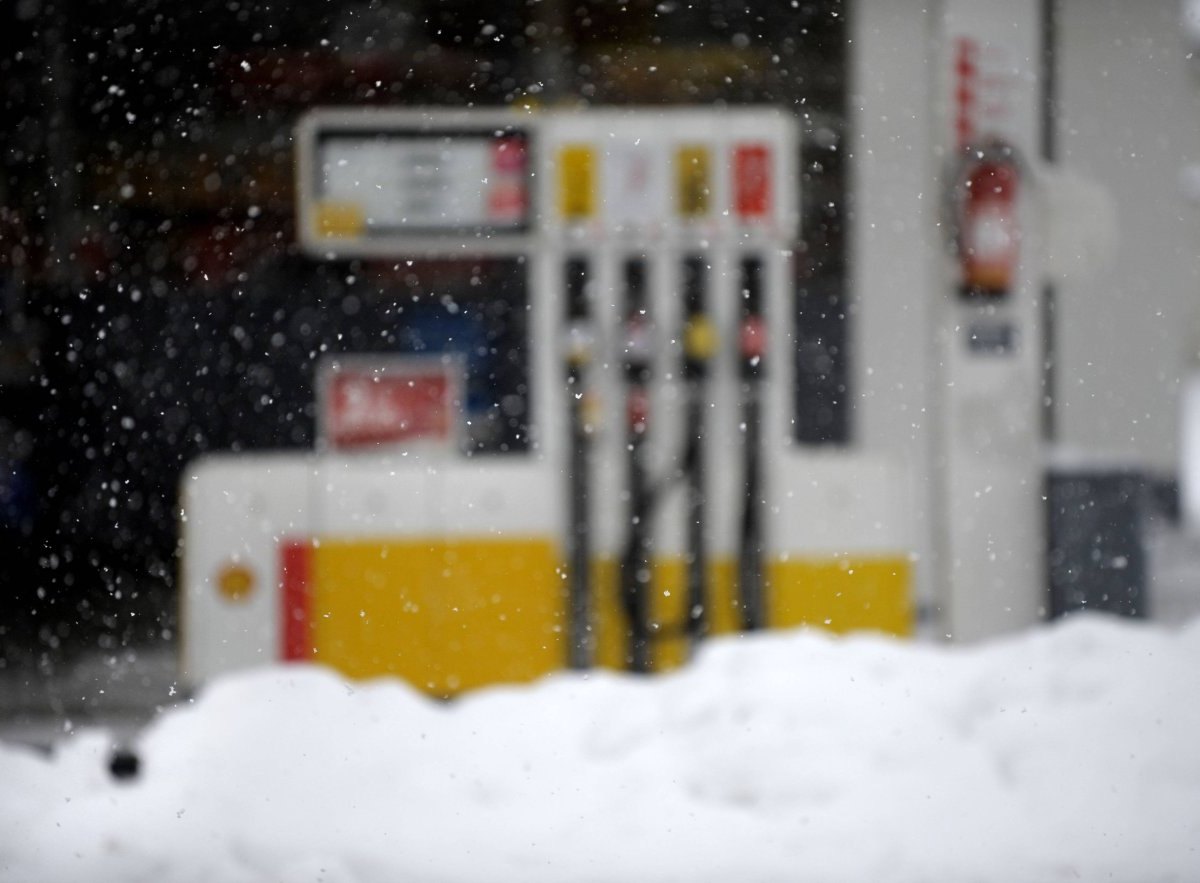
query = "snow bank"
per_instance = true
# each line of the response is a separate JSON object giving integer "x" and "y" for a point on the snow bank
{"x": 1069, "y": 753}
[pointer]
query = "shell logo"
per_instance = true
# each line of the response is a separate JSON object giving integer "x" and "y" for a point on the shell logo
{"x": 236, "y": 582}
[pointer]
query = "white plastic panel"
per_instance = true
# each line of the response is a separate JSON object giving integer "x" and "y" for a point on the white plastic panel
{"x": 366, "y": 495}
{"x": 651, "y": 214}
{"x": 237, "y": 509}
{"x": 378, "y": 497}
{"x": 834, "y": 504}
{"x": 502, "y": 496}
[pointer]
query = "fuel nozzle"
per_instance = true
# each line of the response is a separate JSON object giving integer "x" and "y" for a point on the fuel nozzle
{"x": 752, "y": 336}
{"x": 699, "y": 335}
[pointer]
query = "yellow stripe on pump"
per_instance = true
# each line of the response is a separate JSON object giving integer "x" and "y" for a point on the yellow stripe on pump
{"x": 693, "y": 186}
{"x": 577, "y": 182}
{"x": 453, "y": 614}
{"x": 446, "y": 614}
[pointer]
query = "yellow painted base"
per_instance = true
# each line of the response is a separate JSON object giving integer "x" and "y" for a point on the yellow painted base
{"x": 445, "y": 615}
{"x": 450, "y": 615}
{"x": 839, "y": 594}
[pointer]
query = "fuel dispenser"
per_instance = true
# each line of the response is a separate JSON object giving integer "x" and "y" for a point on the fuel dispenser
{"x": 662, "y": 497}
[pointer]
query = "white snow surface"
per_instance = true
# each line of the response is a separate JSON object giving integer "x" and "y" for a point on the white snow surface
{"x": 1071, "y": 752}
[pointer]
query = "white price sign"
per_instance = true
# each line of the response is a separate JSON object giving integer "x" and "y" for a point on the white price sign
{"x": 372, "y": 185}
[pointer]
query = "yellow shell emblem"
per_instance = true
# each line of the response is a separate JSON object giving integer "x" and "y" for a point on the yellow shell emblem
{"x": 236, "y": 582}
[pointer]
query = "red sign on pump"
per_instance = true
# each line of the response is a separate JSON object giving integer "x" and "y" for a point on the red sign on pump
{"x": 366, "y": 405}
{"x": 752, "y": 181}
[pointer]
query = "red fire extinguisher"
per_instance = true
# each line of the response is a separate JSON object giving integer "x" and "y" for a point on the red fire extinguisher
{"x": 988, "y": 236}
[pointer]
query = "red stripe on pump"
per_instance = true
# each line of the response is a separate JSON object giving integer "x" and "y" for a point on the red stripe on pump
{"x": 752, "y": 181}
{"x": 295, "y": 567}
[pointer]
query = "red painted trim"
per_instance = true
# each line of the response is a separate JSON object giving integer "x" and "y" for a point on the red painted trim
{"x": 295, "y": 577}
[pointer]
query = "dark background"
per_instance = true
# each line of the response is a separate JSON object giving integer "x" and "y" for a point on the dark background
{"x": 153, "y": 305}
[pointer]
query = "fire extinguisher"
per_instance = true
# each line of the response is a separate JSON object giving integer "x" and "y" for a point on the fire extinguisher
{"x": 985, "y": 212}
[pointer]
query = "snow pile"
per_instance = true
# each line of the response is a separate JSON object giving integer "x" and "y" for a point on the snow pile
{"x": 1070, "y": 753}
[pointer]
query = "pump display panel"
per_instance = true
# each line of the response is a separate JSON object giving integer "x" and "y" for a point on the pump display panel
{"x": 462, "y": 182}
{"x": 375, "y": 186}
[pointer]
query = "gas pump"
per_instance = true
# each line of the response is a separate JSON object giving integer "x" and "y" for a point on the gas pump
{"x": 661, "y": 496}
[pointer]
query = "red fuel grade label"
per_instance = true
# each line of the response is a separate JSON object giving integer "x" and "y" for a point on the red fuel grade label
{"x": 752, "y": 181}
